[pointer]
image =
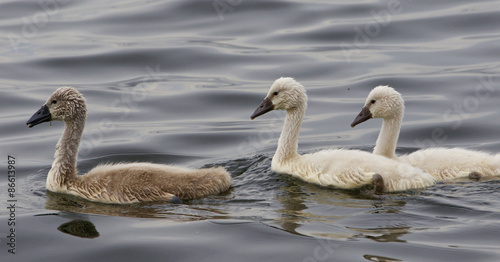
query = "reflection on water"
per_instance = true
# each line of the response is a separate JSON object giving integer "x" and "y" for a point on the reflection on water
{"x": 391, "y": 234}
{"x": 79, "y": 228}
{"x": 380, "y": 258}
{"x": 259, "y": 194}
{"x": 185, "y": 212}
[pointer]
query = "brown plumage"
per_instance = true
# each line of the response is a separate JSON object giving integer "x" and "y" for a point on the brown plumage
{"x": 117, "y": 183}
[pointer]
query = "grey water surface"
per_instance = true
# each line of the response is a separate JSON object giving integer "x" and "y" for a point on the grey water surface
{"x": 175, "y": 82}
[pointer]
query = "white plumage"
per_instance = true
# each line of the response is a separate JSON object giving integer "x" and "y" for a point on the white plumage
{"x": 442, "y": 163}
{"x": 339, "y": 168}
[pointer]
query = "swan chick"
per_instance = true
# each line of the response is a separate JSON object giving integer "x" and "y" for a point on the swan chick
{"x": 116, "y": 183}
{"x": 442, "y": 163}
{"x": 340, "y": 168}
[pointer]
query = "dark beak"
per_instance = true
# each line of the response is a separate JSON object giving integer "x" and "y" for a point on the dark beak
{"x": 264, "y": 107}
{"x": 42, "y": 115}
{"x": 362, "y": 117}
